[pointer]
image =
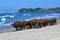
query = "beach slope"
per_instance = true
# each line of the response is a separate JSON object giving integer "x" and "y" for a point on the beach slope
{"x": 45, "y": 33}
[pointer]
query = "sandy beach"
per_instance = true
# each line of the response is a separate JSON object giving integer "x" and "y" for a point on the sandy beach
{"x": 45, "y": 33}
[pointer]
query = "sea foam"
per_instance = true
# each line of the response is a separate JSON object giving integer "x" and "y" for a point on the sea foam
{"x": 26, "y": 14}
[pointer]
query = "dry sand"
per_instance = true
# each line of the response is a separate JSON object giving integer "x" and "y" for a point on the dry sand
{"x": 45, "y": 33}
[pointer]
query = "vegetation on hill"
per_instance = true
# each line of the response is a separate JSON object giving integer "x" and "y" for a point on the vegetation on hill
{"x": 25, "y": 10}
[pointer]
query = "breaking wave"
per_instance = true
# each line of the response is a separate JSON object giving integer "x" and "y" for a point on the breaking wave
{"x": 26, "y": 14}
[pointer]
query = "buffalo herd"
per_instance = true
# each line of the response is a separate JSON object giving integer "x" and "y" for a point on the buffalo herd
{"x": 20, "y": 25}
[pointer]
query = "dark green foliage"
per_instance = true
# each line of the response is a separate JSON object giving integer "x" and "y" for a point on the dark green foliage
{"x": 24, "y": 10}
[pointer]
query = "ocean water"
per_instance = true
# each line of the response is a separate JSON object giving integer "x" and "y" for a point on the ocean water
{"x": 6, "y": 19}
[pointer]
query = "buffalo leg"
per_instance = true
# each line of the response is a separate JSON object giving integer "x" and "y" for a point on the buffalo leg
{"x": 16, "y": 28}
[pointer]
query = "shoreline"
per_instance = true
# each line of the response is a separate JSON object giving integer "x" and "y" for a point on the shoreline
{"x": 12, "y": 30}
{"x": 45, "y": 33}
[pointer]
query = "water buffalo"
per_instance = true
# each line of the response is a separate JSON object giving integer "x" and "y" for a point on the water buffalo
{"x": 16, "y": 25}
{"x": 53, "y": 21}
{"x": 19, "y": 25}
{"x": 32, "y": 23}
{"x": 42, "y": 23}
